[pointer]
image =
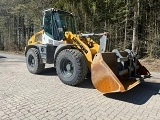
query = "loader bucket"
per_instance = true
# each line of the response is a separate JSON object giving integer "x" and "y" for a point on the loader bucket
{"x": 107, "y": 75}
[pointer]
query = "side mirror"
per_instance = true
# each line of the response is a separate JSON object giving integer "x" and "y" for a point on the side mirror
{"x": 64, "y": 28}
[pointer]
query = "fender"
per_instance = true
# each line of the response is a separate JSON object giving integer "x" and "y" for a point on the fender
{"x": 30, "y": 46}
{"x": 37, "y": 46}
{"x": 62, "y": 47}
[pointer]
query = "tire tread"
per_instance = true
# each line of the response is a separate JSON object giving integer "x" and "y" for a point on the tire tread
{"x": 40, "y": 67}
{"x": 82, "y": 71}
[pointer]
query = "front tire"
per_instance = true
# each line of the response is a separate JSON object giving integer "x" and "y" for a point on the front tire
{"x": 71, "y": 66}
{"x": 33, "y": 61}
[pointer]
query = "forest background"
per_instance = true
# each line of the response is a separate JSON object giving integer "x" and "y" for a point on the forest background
{"x": 132, "y": 24}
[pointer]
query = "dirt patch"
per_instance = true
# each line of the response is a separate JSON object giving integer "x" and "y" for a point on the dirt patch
{"x": 153, "y": 65}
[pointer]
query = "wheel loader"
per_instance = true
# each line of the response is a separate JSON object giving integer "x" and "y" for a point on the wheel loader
{"x": 74, "y": 55}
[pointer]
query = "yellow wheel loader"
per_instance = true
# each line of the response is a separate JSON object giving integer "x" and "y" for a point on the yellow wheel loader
{"x": 74, "y": 54}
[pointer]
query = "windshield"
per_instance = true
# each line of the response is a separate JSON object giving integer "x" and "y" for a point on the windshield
{"x": 56, "y": 23}
{"x": 67, "y": 21}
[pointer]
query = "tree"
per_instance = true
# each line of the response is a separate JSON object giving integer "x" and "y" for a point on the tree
{"x": 131, "y": 24}
{"x": 135, "y": 25}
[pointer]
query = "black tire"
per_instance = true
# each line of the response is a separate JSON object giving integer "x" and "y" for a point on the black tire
{"x": 33, "y": 61}
{"x": 71, "y": 66}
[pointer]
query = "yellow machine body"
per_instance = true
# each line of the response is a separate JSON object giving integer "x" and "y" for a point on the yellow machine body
{"x": 104, "y": 66}
{"x": 110, "y": 71}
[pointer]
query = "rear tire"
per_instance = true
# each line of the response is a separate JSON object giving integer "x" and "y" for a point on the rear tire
{"x": 71, "y": 66}
{"x": 33, "y": 61}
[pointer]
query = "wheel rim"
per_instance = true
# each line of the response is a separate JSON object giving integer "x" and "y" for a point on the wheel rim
{"x": 66, "y": 67}
{"x": 31, "y": 61}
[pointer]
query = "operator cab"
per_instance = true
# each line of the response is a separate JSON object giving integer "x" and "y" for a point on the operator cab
{"x": 55, "y": 24}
